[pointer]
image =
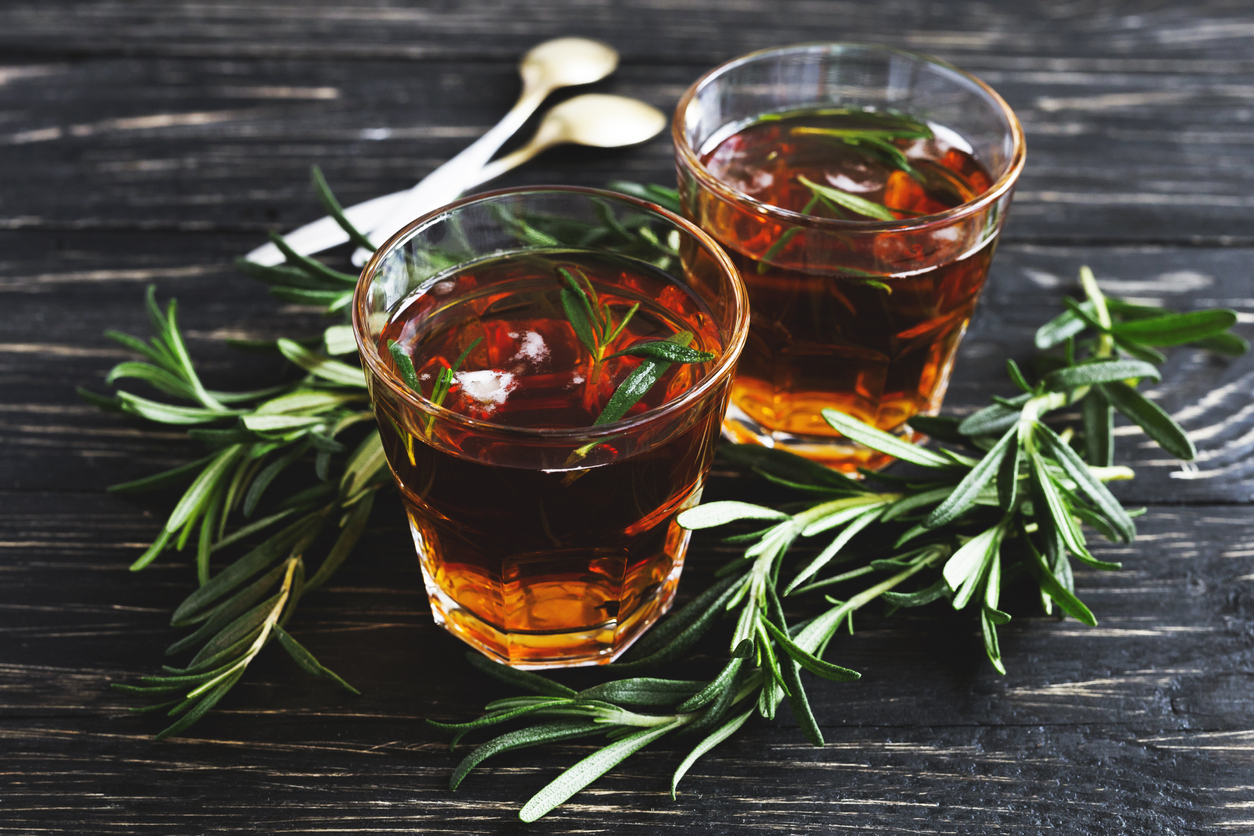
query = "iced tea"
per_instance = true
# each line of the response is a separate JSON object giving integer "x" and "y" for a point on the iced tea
{"x": 877, "y": 346}
{"x": 545, "y": 540}
{"x": 863, "y": 232}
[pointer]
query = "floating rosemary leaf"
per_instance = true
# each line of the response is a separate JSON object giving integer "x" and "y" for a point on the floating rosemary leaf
{"x": 874, "y": 143}
{"x": 852, "y": 202}
{"x": 659, "y": 357}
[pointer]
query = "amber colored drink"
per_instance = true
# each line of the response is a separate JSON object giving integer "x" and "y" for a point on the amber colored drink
{"x": 539, "y": 553}
{"x": 859, "y": 191}
{"x": 877, "y": 346}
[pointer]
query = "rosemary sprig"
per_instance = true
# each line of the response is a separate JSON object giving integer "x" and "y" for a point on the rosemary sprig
{"x": 307, "y": 281}
{"x": 253, "y": 438}
{"x": 1010, "y": 507}
{"x": 239, "y": 609}
{"x": 591, "y": 317}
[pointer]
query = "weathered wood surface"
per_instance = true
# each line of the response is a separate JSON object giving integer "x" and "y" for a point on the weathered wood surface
{"x": 1137, "y": 118}
{"x": 151, "y": 141}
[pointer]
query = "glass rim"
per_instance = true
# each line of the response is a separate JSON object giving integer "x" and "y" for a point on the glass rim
{"x": 690, "y": 159}
{"x": 373, "y": 363}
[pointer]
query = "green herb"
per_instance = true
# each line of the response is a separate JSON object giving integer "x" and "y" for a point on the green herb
{"x": 852, "y": 202}
{"x": 877, "y": 143}
{"x": 1011, "y": 505}
{"x": 443, "y": 379}
{"x": 236, "y": 612}
{"x": 659, "y": 357}
{"x": 663, "y": 196}
{"x": 591, "y": 317}
{"x": 253, "y": 438}
{"x": 873, "y": 143}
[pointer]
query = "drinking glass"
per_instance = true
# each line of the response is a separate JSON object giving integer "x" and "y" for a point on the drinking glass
{"x": 544, "y": 544}
{"x": 860, "y": 315}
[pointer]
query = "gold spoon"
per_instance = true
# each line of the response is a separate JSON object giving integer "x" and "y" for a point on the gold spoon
{"x": 596, "y": 120}
{"x": 593, "y": 119}
{"x": 562, "y": 62}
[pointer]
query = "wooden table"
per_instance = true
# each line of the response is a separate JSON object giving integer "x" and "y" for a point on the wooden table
{"x": 150, "y": 141}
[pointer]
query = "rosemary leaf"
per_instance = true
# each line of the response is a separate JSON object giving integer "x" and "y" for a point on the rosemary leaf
{"x": 311, "y": 266}
{"x": 883, "y": 442}
{"x": 994, "y": 419}
{"x": 1071, "y": 605}
{"x": 1089, "y": 485}
{"x": 665, "y": 350}
{"x": 637, "y": 384}
{"x": 927, "y": 595}
{"x": 963, "y": 497}
{"x": 852, "y": 202}
{"x": 521, "y": 739}
{"x": 709, "y": 742}
{"x": 577, "y": 308}
{"x": 526, "y": 680}
{"x": 1177, "y": 329}
{"x": 324, "y": 367}
{"x": 307, "y": 661}
{"x": 789, "y": 467}
{"x": 1104, "y": 371}
{"x": 1157, "y": 424}
{"x": 643, "y": 691}
{"x": 809, "y": 661}
{"x": 327, "y": 198}
{"x": 165, "y": 479}
{"x": 588, "y": 770}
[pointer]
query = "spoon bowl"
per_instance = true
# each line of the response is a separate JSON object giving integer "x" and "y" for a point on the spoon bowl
{"x": 594, "y": 119}
{"x": 566, "y": 62}
{"x": 601, "y": 121}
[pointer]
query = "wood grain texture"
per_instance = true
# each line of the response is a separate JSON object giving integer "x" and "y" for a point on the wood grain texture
{"x": 1214, "y": 32}
{"x": 149, "y": 142}
{"x": 1089, "y": 726}
{"x": 1154, "y": 153}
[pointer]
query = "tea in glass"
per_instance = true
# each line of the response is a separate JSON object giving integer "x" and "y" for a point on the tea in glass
{"x": 546, "y": 539}
{"x": 859, "y": 191}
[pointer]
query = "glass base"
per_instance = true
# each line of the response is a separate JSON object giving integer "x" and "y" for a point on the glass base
{"x": 537, "y": 649}
{"x": 834, "y": 451}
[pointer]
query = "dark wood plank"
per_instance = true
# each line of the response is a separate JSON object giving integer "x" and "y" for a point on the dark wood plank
{"x": 1135, "y": 35}
{"x": 1088, "y": 723}
{"x": 151, "y": 141}
{"x": 214, "y": 145}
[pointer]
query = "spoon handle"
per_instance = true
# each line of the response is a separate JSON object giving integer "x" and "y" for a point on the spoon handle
{"x": 380, "y": 217}
{"x": 325, "y": 233}
{"x": 509, "y": 162}
{"x": 455, "y": 176}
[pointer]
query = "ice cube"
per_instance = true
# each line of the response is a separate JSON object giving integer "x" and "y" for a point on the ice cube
{"x": 488, "y": 388}
{"x": 531, "y": 348}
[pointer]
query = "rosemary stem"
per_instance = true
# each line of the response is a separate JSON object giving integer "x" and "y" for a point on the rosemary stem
{"x": 847, "y": 576}
{"x": 824, "y": 626}
{"x": 1105, "y": 344}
